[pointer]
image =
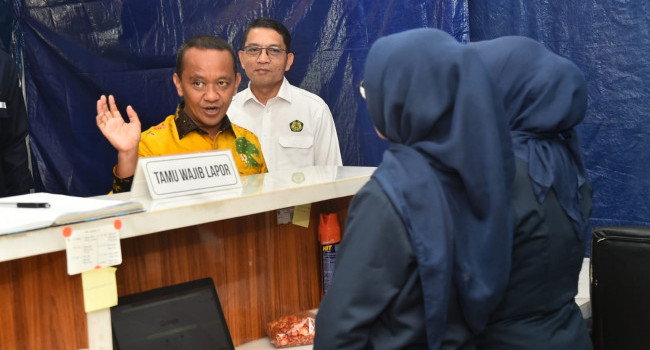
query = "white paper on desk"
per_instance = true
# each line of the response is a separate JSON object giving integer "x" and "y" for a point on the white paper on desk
{"x": 63, "y": 210}
{"x": 92, "y": 248}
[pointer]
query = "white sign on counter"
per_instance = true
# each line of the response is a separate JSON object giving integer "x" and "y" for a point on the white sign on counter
{"x": 187, "y": 173}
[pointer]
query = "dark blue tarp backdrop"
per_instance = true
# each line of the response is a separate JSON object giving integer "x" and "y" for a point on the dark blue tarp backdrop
{"x": 76, "y": 50}
{"x": 610, "y": 42}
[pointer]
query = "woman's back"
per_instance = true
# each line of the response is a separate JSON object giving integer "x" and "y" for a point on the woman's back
{"x": 545, "y": 97}
{"x": 538, "y": 310}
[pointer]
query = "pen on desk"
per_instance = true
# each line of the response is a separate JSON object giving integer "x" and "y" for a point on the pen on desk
{"x": 25, "y": 204}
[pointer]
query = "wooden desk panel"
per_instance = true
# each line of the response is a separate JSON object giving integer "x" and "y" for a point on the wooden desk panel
{"x": 42, "y": 306}
{"x": 261, "y": 271}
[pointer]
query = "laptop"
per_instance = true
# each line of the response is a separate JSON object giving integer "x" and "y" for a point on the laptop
{"x": 182, "y": 316}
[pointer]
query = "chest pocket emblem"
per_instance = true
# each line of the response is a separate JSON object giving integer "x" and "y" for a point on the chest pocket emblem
{"x": 296, "y": 126}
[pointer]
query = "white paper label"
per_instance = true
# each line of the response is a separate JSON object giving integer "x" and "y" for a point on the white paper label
{"x": 95, "y": 247}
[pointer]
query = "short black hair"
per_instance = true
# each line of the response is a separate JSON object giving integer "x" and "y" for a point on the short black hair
{"x": 204, "y": 41}
{"x": 270, "y": 23}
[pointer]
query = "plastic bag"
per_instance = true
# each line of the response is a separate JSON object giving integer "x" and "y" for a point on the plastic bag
{"x": 292, "y": 330}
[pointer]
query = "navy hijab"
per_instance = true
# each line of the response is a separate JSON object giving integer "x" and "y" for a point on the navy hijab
{"x": 545, "y": 97}
{"x": 448, "y": 170}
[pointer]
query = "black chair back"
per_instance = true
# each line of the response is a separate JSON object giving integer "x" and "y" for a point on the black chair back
{"x": 620, "y": 287}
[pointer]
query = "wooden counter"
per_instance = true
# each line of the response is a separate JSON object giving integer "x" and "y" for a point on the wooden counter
{"x": 261, "y": 270}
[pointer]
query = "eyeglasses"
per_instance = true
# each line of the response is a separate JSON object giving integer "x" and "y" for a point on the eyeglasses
{"x": 256, "y": 51}
{"x": 362, "y": 90}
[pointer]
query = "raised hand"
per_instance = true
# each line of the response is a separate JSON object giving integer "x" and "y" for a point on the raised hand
{"x": 123, "y": 136}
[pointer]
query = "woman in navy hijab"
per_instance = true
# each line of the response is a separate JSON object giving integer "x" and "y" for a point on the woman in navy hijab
{"x": 432, "y": 229}
{"x": 545, "y": 97}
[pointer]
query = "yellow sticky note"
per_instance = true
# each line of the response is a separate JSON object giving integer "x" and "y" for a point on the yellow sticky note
{"x": 301, "y": 215}
{"x": 100, "y": 288}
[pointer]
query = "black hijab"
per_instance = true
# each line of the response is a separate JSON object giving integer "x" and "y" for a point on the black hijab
{"x": 545, "y": 97}
{"x": 448, "y": 170}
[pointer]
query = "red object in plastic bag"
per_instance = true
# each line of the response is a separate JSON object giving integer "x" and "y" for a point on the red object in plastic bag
{"x": 292, "y": 330}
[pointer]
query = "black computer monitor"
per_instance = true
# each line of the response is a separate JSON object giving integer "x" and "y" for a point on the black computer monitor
{"x": 181, "y": 316}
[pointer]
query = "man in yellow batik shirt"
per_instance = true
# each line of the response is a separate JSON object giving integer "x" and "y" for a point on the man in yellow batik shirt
{"x": 206, "y": 78}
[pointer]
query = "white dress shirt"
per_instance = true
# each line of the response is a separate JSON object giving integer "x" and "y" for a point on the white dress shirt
{"x": 295, "y": 128}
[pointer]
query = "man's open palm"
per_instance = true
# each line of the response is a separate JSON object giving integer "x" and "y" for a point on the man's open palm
{"x": 123, "y": 136}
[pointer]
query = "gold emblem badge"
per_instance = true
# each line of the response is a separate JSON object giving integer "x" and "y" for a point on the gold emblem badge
{"x": 296, "y": 126}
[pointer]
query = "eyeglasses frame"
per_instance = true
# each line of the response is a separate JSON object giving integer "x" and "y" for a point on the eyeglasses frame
{"x": 265, "y": 49}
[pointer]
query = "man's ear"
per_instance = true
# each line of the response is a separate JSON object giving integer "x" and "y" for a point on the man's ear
{"x": 240, "y": 53}
{"x": 237, "y": 81}
{"x": 177, "y": 83}
{"x": 289, "y": 62}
